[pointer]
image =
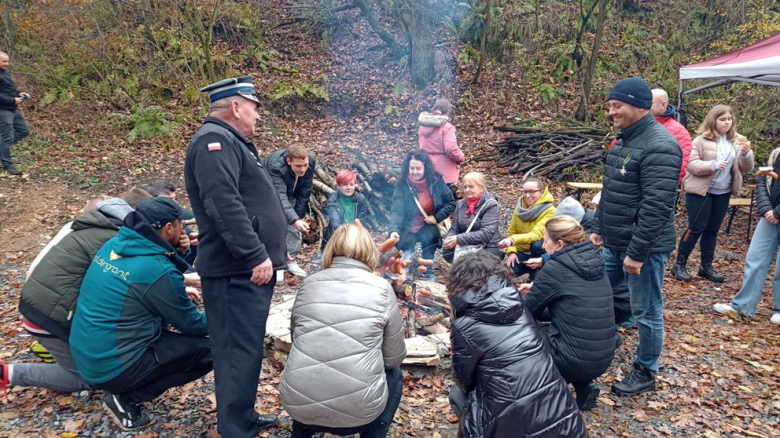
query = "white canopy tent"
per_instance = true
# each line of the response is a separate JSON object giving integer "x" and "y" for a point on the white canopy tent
{"x": 758, "y": 64}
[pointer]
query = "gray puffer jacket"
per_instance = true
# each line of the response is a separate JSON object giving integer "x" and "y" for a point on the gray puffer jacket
{"x": 346, "y": 330}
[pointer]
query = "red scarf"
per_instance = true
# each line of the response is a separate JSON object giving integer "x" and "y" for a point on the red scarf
{"x": 472, "y": 204}
{"x": 424, "y": 196}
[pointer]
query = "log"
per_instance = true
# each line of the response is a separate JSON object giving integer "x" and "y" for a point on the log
{"x": 325, "y": 177}
{"x": 322, "y": 188}
{"x": 411, "y": 324}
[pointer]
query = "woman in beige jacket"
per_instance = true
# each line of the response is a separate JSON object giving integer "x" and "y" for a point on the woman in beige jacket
{"x": 718, "y": 159}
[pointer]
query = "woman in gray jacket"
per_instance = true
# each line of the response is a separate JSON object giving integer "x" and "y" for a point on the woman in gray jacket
{"x": 342, "y": 376}
{"x": 475, "y": 224}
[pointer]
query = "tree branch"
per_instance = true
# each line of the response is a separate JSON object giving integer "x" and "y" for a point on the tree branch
{"x": 398, "y": 50}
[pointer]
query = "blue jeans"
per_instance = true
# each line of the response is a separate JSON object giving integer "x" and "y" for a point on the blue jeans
{"x": 759, "y": 257}
{"x": 536, "y": 251}
{"x": 647, "y": 304}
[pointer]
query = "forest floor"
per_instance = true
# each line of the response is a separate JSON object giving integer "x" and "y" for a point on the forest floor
{"x": 719, "y": 376}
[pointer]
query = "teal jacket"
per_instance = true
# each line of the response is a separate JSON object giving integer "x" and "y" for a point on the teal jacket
{"x": 133, "y": 289}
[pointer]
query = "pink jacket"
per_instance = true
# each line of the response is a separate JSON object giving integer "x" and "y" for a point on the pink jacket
{"x": 437, "y": 139}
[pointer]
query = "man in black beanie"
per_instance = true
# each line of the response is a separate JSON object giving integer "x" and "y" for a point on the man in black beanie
{"x": 635, "y": 219}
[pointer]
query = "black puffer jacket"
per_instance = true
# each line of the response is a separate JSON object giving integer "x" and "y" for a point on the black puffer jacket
{"x": 768, "y": 199}
{"x": 405, "y": 209}
{"x": 514, "y": 389}
{"x": 574, "y": 287}
{"x": 8, "y": 92}
{"x": 636, "y": 213}
{"x": 294, "y": 196}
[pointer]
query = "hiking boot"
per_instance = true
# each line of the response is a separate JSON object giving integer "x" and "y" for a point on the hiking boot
{"x": 638, "y": 380}
{"x": 296, "y": 270}
{"x": 679, "y": 270}
{"x": 707, "y": 271}
{"x": 631, "y": 322}
{"x": 265, "y": 421}
{"x": 587, "y": 393}
{"x": 126, "y": 414}
{"x": 12, "y": 170}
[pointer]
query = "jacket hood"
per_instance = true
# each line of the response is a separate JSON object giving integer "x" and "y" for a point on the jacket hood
{"x": 670, "y": 112}
{"x": 498, "y": 302}
{"x": 546, "y": 198}
{"x": 430, "y": 123}
{"x": 582, "y": 259}
{"x": 115, "y": 207}
{"x": 95, "y": 219}
{"x": 137, "y": 238}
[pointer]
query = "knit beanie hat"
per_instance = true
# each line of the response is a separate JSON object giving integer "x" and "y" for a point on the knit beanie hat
{"x": 633, "y": 91}
{"x": 570, "y": 207}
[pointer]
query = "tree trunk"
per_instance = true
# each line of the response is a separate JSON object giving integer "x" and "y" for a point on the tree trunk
{"x": 583, "y": 110}
{"x": 414, "y": 14}
{"x": 485, "y": 32}
{"x": 8, "y": 21}
{"x": 397, "y": 49}
{"x": 147, "y": 18}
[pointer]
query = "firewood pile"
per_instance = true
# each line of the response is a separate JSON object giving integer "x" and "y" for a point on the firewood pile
{"x": 550, "y": 153}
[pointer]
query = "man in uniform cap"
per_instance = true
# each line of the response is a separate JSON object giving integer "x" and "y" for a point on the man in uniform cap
{"x": 242, "y": 229}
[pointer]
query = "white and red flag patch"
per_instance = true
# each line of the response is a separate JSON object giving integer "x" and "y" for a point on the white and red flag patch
{"x": 215, "y": 147}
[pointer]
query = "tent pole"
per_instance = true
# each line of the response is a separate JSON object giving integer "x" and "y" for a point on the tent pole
{"x": 680, "y": 100}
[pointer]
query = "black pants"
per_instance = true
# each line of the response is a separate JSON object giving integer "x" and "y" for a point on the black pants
{"x": 536, "y": 251}
{"x": 375, "y": 429}
{"x": 705, "y": 216}
{"x": 12, "y": 129}
{"x": 429, "y": 239}
{"x": 237, "y": 310}
{"x": 172, "y": 360}
{"x": 449, "y": 254}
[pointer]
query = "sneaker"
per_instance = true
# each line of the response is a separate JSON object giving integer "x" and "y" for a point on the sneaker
{"x": 775, "y": 319}
{"x": 5, "y": 379}
{"x": 725, "y": 309}
{"x": 126, "y": 415}
{"x": 638, "y": 380}
{"x": 296, "y": 270}
{"x": 12, "y": 170}
{"x": 630, "y": 323}
{"x": 41, "y": 351}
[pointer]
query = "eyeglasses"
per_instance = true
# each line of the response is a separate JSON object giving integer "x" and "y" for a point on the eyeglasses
{"x": 530, "y": 192}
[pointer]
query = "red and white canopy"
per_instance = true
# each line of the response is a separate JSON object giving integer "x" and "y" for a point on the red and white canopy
{"x": 758, "y": 63}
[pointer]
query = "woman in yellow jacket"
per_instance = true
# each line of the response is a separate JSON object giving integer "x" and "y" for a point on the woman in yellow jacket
{"x": 526, "y": 230}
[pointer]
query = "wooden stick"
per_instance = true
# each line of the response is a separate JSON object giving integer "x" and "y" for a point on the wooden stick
{"x": 325, "y": 177}
{"x": 322, "y": 187}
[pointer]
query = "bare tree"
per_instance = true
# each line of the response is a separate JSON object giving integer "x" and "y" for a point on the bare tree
{"x": 415, "y": 15}
{"x": 586, "y": 76}
{"x": 485, "y": 32}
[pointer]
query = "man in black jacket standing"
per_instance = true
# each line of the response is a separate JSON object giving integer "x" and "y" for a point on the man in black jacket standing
{"x": 242, "y": 228}
{"x": 635, "y": 219}
{"x": 292, "y": 171}
{"x": 12, "y": 125}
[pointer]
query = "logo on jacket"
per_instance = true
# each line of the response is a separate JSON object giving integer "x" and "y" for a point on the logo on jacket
{"x": 108, "y": 267}
{"x": 114, "y": 256}
{"x": 626, "y": 161}
{"x": 215, "y": 147}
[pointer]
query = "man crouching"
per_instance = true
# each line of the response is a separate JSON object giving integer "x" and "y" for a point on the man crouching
{"x": 133, "y": 290}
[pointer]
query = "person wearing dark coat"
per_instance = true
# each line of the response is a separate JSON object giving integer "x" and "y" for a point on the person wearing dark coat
{"x": 292, "y": 171}
{"x": 242, "y": 228}
{"x": 572, "y": 291}
{"x": 345, "y": 205}
{"x": 475, "y": 224}
{"x": 635, "y": 220}
{"x": 419, "y": 183}
{"x": 13, "y": 128}
{"x": 508, "y": 386}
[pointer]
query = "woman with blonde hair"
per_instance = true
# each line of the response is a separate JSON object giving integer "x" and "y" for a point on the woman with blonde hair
{"x": 475, "y": 223}
{"x": 342, "y": 376}
{"x": 718, "y": 159}
{"x": 572, "y": 291}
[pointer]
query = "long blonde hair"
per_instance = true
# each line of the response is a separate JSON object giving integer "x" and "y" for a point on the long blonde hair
{"x": 353, "y": 241}
{"x": 707, "y": 127}
{"x": 565, "y": 228}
